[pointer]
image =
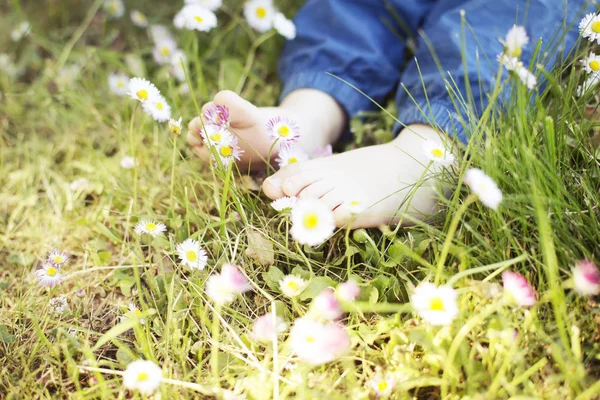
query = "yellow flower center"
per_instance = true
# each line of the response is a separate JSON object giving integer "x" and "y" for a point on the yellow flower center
{"x": 293, "y": 286}
{"x": 381, "y": 386}
{"x": 216, "y": 137}
{"x": 159, "y": 106}
{"x": 112, "y": 8}
{"x": 595, "y": 65}
{"x": 226, "y": 151}
{"x": 198, "y": 19}
{"x": 120, "y": 84}
{"x": 191, "y": 255}
{"x": 137, "y": 312}
{"x": 142, "y": 94}
{"x": 283, "y": 131}
{"x": 437, "y": 153}
{"x": 151, "y": 226}
{"x": 51, "y": 271}
{"x": 516, "y": 52}
{"x": 165, "y": 50}
{"x": 293, "y": 160}
{"x": 58, "y": 259}
{"x": 142, "y": 376}
{"x": 175, "y": 130}
{"x": 436, "y": 304}
{"x": 355, "y": 203}
{"x": 596, "y": 26}
{"x": 310, "y": 339}
{"x": 311, "y": 220}
{"x": 261, "y": 12}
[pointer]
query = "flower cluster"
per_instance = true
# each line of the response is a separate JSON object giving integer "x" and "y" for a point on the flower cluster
{"x": 589, "y": 28}
{"x": 149, "y": 96}
{"x": 263, "y": 16}
{"x": 515, "y": 40}
{"x": 213, "y": 128}
{"x": 49, "y": 275}
{"x": 194, "y": 16}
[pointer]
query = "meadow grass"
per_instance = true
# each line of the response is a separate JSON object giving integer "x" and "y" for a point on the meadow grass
{"x": 57, "y": 127}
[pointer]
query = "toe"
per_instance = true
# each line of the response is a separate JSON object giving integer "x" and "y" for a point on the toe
{"x": 243, "y": 114}
{"x": 342, "y": 216}
{"x": 294, "y": 184}
{"x": 202, "y": 152}
{"x": 272, "y": 188}
{"x": 333, "y": 199}
{"x": 317, "y": 189}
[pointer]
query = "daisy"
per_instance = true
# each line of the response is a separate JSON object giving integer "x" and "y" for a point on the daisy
{"x": 212, "y": 5}
{"x": 436, "y": 152}
{"x": 347, "y": 291}
{"x": 518, "y": 289}
{"x": 159, "y": 109}
{"x": 117, "y": 83}
{"x": 235, "y": 279}
{"x": 178, "y": 65}
{"x": 586, "y": 278}
{"x": 383, "y": 386}
{"x": 312, "y": 222}
{"x": 326, "y": 306}
{"x": 228, "y": 151}
{"x": 589, "y": 27}
{"x": 163, "y": 51}
{"x": 58, "y": 305}
{"x": 191, "y": 254}
{"x": 217, "y": 290}
{"x": 142, "y": 375}
{"x": 516, "y": 38}
{"x": 284, "y": 130}
{"x": 222, "y": 288}
{"x": 195, "y": 17}
{"x": 20, "y": 31}
{"x": 354, "y": 207}
{"x": 142, "y": 90}
{"x": 128, "y": 162}
{"x": 114, "y": 8}
{"x": 484, "y": 187}
{"x": 435, "y": 304}
{"x": 7, "y": 65}
{"x": 58, "y": 258}
{"x": 214, "y": 136}
{"x": 510, "y": 63}
{"x": 216, "y": 115}
{"x": 284, "y": 203}
{"x": 48, "y": 275}
{"x": 79, "y": 184}
{"x": 289, "y": 156}
{"x": 150, "y": 227}
{"x": 318, "y": 343}
{"x": 284, "y": 26}
{"x": 139, "y": 19}
{"x": 591, "y": 64}
{"x": 160, "y": 32}
{"x": 175, "y": 126}
{"x": 527, "y": 77}
{"x": 591, "y": 81}
{"x": 136, "y": 313}
{"x": 292, "y": 285}
{"x": 266, "y": 328}
{"x": 260, "y": 14}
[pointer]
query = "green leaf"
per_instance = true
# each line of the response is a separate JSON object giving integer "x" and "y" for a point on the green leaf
{"x": 260, "y": 249}
{"x": 5, "y": 336}
{"x": 316, "y": 286}
{"x": 104, "y": 256}
{"x": 273, "y": 277}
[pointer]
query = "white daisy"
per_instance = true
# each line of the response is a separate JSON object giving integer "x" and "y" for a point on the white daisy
{"x": 136, "y": 313}
{"x": 114, "y": 8}
{"x": 142, "y": 375}
{"x": 586, "y": 278}
{"x": 150, "y": 227}
{"x": 160, "y": 32}
{"x": 292, "y": 285}
{"x": 591, "y": 81}
{"x": 128, "y": 162}
{"x": 591, "y": 63}
{"x": 212, "y": 5}
{"x": 291, "y": 155}
{"x": 436, "y": 305}
{"x": 20, "y": 31}
{"x": 518, "y": 289}
{"x": 195, "y": 17}
{"x": 7, "y": 65}
{"x": 260, "y": 14}
{"x": 191, "y": 254}
{"x": 484, "y": 187}
{"x": 215, "y": 136}
{"x": 312, "y": 222}
{"x": 284, "y": 130}
{"x": 175, "y": 126}
{"x": 48, "y": 275}
{"x": 117, "y": 83}
{"x": 163, "y": 51}
{"x": 138, "y": 18}
{"x": 58, "y": 305}
{"x": 317, "y": 342}
{"x": 79, "y": 184}
{"x": 354, "y": 206}
{"x": 527, "y": 77}
{"x": 284, "y": 26}
{"x": 58, "y": 258}
{"x": 228, "y": 151}
{"x": 159, "y": 109}
{"x": 436, "y": 152}
{"x": 218, "y": 291}
{"x": 178, "y": 65}
{"x": 266, "y": 328}
{"x": 516, "y": 38}
{"x": 589, "y": 27}
{"x": 142, "y": 90}
{"x": 510, "y": 63}
{"x": 383, "y": 386}
{"x": 284, "y": 203}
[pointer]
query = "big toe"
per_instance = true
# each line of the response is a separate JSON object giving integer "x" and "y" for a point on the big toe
{"x": 272, "y": 188}
{"x": 242, "y": 113}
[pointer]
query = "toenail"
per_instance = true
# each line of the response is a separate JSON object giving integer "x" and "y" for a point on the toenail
{"x": 276, "y": 182}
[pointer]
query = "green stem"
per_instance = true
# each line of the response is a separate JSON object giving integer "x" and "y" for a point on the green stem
{"x": 214, "y": 349}
{"x": 172, "y": 200}
{"x": 222, "y": 209}
{"x": 132, "y": 151}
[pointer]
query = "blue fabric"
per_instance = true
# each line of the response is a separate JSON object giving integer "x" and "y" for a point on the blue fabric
{"x": 363, "y": 42}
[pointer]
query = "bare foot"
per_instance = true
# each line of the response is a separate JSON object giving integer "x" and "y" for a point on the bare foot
{"x": 381, "y": 178}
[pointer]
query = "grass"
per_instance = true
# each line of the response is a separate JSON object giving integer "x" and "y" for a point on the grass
{"x": 57, "y": 128}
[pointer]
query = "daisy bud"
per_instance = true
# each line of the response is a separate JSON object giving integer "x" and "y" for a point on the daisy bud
{"x": 128, "y": 162}
{"x": 235, "y": 279}
{"x": 318, "y": 343}
{"x": 435, "y": 304}
{"x": 58, "y": 305}
{"x": 348, "y": 291}
{"x": 518, "y": 289}
{"x": 484, "y": 187}
{"x": 142, "y": 375}
{"x": 292, "y": 285}
{"x": 516, "y": 39}
{"x": 586, "y": 278}
{"x": 327, "y": 306}
{"x": 175, "y": 126}
{"x": 265, "y": 328}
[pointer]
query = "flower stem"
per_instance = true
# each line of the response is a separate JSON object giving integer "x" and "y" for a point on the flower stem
{"x": 172, "y": 200}
{"x": 214, "y": 349}
{"x": 132, "y": 151}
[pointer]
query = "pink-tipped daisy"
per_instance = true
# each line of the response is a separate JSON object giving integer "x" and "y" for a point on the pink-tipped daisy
{"x": 216, "y": 115}
{"x": 58, "y": 258}
{"x": 284, "y": 130}
{"x": 289, "y": 156}
{"x": 48, "y": 275}
{"x": 518, "y": 289}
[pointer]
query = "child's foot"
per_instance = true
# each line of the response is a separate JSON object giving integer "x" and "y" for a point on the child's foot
{"x": 381, "y": 178}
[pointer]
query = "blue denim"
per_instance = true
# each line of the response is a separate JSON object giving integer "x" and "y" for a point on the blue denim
{"x": 364, "y": 43}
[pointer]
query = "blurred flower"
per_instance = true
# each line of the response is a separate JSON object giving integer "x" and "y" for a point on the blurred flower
{"x": 326, "y": 306}
{"x": 591, "y": 63}
{"x": 175, "y": 126}
{"x": 586, "y": 278}
{"x": 136, "y": 313}
{"x": 436, "y": 152}
{"x": 117, "y": 83}
{"x": 318, "y": 343}
{"x": 321, "y": 152}
{"x": 224, "y": 287}
{"x": 142, "y": 375}
{"x": 347, "y": 291}
{"x": 142, "y": 90}
{"x": 128, "y": 162}
{"x": 292, "y": 285}
{"x": 58, "y": 305}
{"x": 159, "y": 33}
{"x": 589, "y": 27}
{"x": 163, "y": 51}
{"x": 217, "y": 116}
{"x": 510, "y": 63}
{"x": 284, "y": 203}
{"x": 266, "y": 328}
{"x": 354, "y": 207}
{"x": 235, "y": 279}
{"x": 291, "y": 155}
{"x": 191, "y": 254}
{"x": 312, "y": 222}
{"x": 435, "y": 304}
{"x": 284, "y": 26}
{"x": 178, "y": 65}
{"x": 150, "y": 227}
{"x": 259, "y": 14}
{"x": 527, "y": 77}
{"x": 48, "y": 275}
{"x": 114, "y": 8}
{"x": 20, "y": 31}
{"x": 210, "y": 4}
{"x": 516, "y": 38}
{"x": 214, "y": 136}
{"x": 591, "y": 81}
{"x": 7, "y": 65}
{"x": 518, "y": 289}
{"x": 484, "y": 187}
{"x": 195, "y": 17}
{"x": 58, "y": 258}
{"x": 383, "y": 386}
{"x": 138, "y": 18}
{"x": 158, "y": 108}
{"x": 284, "y": 130}
{"x": 79, "y": 184}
